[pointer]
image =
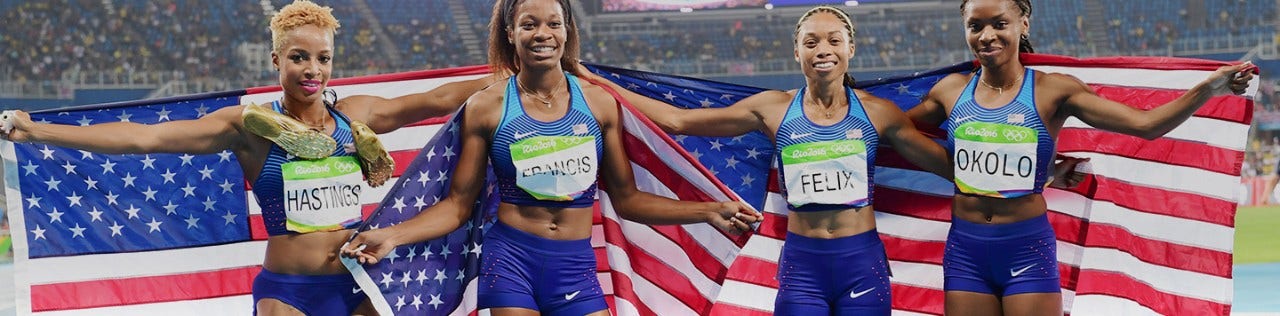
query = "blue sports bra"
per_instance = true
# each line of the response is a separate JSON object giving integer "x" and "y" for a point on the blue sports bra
{"x": 551, "y": 164}
{"x": 1004, "y": 152}
{"x": 300, "y": 196}
{"x": 826, "y": 168}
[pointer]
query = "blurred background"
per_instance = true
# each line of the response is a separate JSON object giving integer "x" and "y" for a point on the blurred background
{"x": 62, "y": 53}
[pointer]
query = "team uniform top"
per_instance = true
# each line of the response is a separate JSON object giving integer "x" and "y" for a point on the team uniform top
{"x": 826, "y": 167}
{"x": 551, "y": 164}
{"x": 301, "y": 196}
{"x": 1004, "y": 152}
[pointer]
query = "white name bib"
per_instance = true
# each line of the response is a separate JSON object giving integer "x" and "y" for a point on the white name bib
{"x": 994, "y": 159}
{"x": 829, "y": 172}
{"x": 322, "y": 195}
{"x": 555, "y": 168}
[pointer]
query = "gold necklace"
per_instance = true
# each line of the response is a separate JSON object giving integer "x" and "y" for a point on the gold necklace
{"x": 545, "y": 100}
{"x": 319, "y": 127}
{"x": 827, "y": 114}
{"x": 1000, "y": 90}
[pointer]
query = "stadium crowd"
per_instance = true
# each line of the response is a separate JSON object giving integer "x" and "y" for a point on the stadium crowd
{"x": 46, "y": 41}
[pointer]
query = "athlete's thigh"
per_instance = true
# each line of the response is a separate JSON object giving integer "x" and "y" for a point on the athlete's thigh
{"x": 962, "y": 303}
{"x": 512, "y": 311}
{"x": 274, "y": 307}
{"x": 1033, "y": 304}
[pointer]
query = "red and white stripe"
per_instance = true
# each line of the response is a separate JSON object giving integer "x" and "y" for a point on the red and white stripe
{"x": 663, "y": 270}
{"x": 1148, "y": 232}
{"x": 212, "y": 280}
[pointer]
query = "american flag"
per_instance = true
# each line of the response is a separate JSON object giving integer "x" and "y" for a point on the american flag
{"x": 644, "y": 270}
{"x": 1159, "y": 242}
{"x": 158, "y": 234}
{"x": 432, "y": 277}
{"x": 1149, "y": 231}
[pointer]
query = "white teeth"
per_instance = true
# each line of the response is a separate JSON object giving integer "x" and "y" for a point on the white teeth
{"x": 824, "y": 65}
{"x": 542, "y": 49}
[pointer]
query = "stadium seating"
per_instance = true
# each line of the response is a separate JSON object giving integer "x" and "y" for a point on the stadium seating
{"x": 81, "y": 40}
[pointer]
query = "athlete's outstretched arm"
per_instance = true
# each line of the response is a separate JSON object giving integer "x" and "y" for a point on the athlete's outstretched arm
{"x": 901, "y": 133}
{"x": 1082, "y": 102}
{"x": 930, "y": 111}
{"x": 212, "y": 133}
{"x": 446, "y": 216}
{"x": 635, "y": 205}
{"x": 384, "y": 115}
{"x": 737, "y": 119}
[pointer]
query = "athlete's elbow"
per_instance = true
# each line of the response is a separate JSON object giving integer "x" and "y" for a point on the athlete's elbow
{"x": 671, "y": 125}
{"x": 1151, "y": 131}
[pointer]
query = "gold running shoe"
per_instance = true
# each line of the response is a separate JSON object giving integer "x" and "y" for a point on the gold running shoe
{"x": 376, "y": 162}
{"x": 291, "y": 135}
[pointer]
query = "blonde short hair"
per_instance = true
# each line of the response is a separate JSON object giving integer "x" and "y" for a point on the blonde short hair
{"x": 299, "y": 13}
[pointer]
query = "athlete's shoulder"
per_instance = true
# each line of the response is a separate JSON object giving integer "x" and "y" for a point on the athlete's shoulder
{"x": 949, "y": 87}
{"x": 1059, "y": 84}
{"x": 871, "y": 100}
{"x": 487, "y": 102}
{"x": 232, "y": 114}
{"x": 1058, "y": 80}
{"x": 769, "y": 98}
{"x": 955, "y": 80}
{"x": 595, "y": 95}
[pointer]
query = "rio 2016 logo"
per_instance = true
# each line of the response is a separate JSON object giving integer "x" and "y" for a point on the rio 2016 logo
{"x": 1016, "y": 135}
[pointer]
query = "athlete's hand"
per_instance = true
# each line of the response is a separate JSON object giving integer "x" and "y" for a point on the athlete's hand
{"x": 368, "y": 247}
{"x": 15, "y": 126}
{"x": 734, "y": 217}
{"x": 1233, "y": 79}
{"x": 1065, "y": 175}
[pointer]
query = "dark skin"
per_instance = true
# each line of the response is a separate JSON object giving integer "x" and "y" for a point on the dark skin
{"x": 823, "y": 49}
{"x": 992, "y": 31}
{"x": 305, "y": 59}
{"x": 539, "y": 33}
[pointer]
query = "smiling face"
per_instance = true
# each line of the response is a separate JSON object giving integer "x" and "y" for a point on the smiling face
{"x": 305, "y": 62}
{"x": 532, "y": 34}
{"x": 993, "y": 29}
{"x": 824, "y": 46}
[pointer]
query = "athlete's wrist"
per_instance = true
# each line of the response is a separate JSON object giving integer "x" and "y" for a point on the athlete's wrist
{"x": 714, "y": 212}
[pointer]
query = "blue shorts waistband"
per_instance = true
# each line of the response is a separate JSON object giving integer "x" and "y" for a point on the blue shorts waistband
{"x": 343, "y": 278}
{"x": 856, "y": 242}
{"x": 1029, "y": 227}
{"x": 503, "y": 231}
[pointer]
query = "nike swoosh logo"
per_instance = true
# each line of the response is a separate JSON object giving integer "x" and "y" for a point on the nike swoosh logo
{"x": 964, "y": 119}
{"x": 355, "y": 290}
{"x": 798, "y": 136}
{"x": 570, "y": 296}
{"x": 523, "y": 135}
{"x": 1013, "y": 273}
{"x": 855, "y": 295}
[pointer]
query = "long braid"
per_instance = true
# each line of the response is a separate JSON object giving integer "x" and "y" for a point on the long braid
{"x": 1024, "y": 43}
{"x": 848, "y": 25}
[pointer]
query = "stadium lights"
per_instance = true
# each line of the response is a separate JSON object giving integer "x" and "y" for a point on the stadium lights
{"x": 851, "y": 3}
{"x": 686, "y": 10}
{"x": 768, "y": 6}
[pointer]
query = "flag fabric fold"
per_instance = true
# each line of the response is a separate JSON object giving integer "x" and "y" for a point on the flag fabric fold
{"x": 646, "y": 270}
{"x": 1148, "y": 232}
{"x": 1131, "y": 239}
